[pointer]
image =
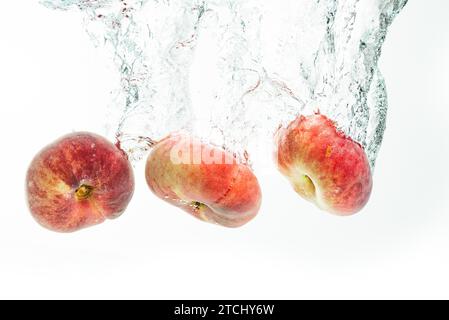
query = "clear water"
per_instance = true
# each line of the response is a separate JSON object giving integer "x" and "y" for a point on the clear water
{"x": 152, "y": 44}
{"x": 266, "y": 62}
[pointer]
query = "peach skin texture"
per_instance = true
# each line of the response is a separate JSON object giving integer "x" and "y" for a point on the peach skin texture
{"x": 220, "y": 191}
{"x": 323, "y": 165}
{"x": 79, "y": 181}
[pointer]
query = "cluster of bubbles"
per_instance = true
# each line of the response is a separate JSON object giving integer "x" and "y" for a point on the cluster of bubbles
{"x": 266, "y": 62}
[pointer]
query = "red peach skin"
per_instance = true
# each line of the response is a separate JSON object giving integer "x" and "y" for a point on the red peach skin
{"x": 324, "y": 166}
{"x": 227, "y": 194}
{"x": 79, "y": 181}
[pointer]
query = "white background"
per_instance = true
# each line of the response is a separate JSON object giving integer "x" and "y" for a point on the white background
{"x": 53, "y": 81}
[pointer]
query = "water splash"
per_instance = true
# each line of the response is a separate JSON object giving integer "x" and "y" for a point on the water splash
{"x": 231, "y": 61}
{"x": 152, "y": 43}
{"x": 284, "y": 58}
{"x": 352, "y": 87}
{"x": 266, "y": 62}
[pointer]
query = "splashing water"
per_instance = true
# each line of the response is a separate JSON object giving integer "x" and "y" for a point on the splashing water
{"x": 266, "y": 62}
{"x": 152, "y": 44}
{"x": 283, "y": 58}
{"x": 340, "y": 74}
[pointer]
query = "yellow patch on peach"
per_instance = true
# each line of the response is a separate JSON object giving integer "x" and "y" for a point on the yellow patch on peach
{"x": 328, "y": 151}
